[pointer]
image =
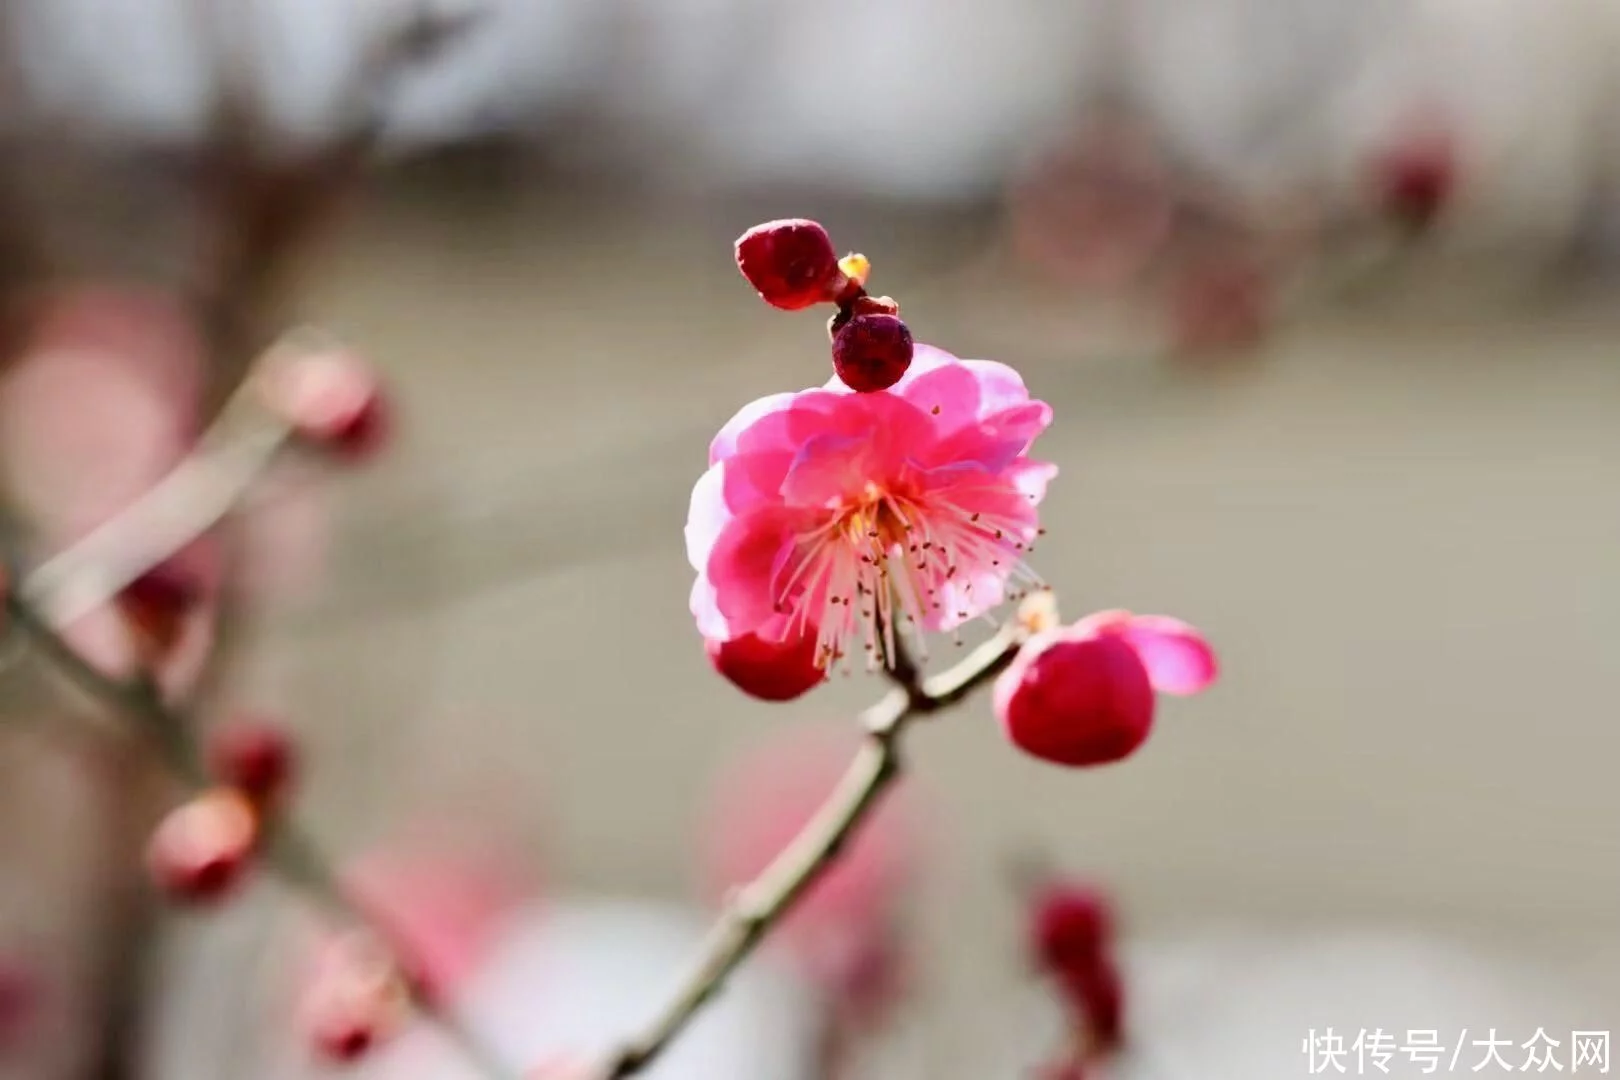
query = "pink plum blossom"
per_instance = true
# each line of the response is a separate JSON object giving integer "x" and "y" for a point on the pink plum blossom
{"x": 1099, "y": 209}
{"x": 447, "y": 905}
{"x": 1084, "y": 694}
{"x": 848, "y": 514}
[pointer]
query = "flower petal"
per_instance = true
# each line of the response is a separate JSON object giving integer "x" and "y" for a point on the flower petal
{"x": 827, "y": 468}
{"x": 1000, "y": 386}
{"x": 707, "y": 515}
{"x": 997, "y": 440}
{"x": 1031, "y": 477}
{"x": 743, "y": 564}
{"x": 706, "y": 610}
{"x": 948, "y": 394}
{"x": 1177, "y": 657}
{"x": 726, "y": 442}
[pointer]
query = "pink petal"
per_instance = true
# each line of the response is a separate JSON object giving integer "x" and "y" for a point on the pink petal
{"x": 1178, "y": 659}
{"x": 729, "y": 489}
{"x": 1031, "y": 477}
{"x": 827, "y": 468}
{"x": 707, "y": 515}
{"x": 705, "y": 608}
{"x": 949, "y": 395}
{"x": 997, "y": 440}
{"x": 725, "y": 443}
{"x": 1000, "y": 387}
{"x": 964, "y": 391}
{"x": 755, "y": 479}
{"x": 743, "y": 564}
{"x": 778, "y": 422}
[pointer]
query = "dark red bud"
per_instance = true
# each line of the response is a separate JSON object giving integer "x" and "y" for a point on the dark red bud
{"x": 791, "y": 263}
{"x": 257, "y": 757}
{"x": 769, "y": 670}
{"x": 872, "y": 352}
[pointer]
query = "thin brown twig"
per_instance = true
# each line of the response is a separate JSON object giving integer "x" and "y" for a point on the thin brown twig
{"x": 293, "y": 853}
{"x": 758, "y": 906}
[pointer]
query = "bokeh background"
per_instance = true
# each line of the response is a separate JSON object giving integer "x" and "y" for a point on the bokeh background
{"x": 1388, "y": 495}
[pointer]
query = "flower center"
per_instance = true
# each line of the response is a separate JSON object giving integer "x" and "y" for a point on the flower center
{"x": 892, "y": 562}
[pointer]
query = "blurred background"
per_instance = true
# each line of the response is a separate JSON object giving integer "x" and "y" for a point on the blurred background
{"x": 1320, "y": 290}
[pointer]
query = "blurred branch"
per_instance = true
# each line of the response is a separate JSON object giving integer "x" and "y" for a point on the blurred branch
{"x": 192, "y": 499}
{"x": 760, "y": 905}
{"x": 264, "y": 207}
{"x": 291, "y": 852}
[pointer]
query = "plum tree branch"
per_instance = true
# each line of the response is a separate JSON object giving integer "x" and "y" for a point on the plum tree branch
{"x": 291, "y": 852}
{"x": 757, "y": 907}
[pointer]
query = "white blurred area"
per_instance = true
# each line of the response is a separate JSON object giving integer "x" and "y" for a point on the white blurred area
{"x": 916, "y": 99}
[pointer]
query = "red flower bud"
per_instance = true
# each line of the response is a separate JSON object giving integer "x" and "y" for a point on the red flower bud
{"x": 769, "y": 670}
{"x": 199, "y": 851}
{"x": 1071, "y": 928}
{"x": 332, "y": 399}
{"x": 356, "y": 999}
{"x": 871, "y": 352}
{"x": 1417, "y": 179}
{"x": 791, "y": 263}
{"x": 255, "y": 756}
{"x": 1083, "y": 694}
{"x": 1083, "y": 701}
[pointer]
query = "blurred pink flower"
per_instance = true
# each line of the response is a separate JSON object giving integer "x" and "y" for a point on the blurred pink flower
{"x": 844, "y": 930}
{"x": 1221, "y": 301}
{"x": 355, "y": 997}
{"x": 1083, "y": 694}
{"x": 1099, "y": 210}
{"x": 844, "y": 511}
{"x": 101, "y": 403}
{"x": 445, "y": 903}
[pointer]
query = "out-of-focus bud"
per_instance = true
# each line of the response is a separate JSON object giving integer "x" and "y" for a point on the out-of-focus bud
{"x": 1415, "y": 180}
{"x": 332, "y": 399}
{"x": 872, "y": 352}
{"x": 444, "y": 904}
{"x": 356, "y": 999}
{"x": 1071, "y": 926}
{"x": 769, "y": 670}
{"x": 198, "y": 853}
{"x": 791, "y": 263}
{"x": 255, "y": 756}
